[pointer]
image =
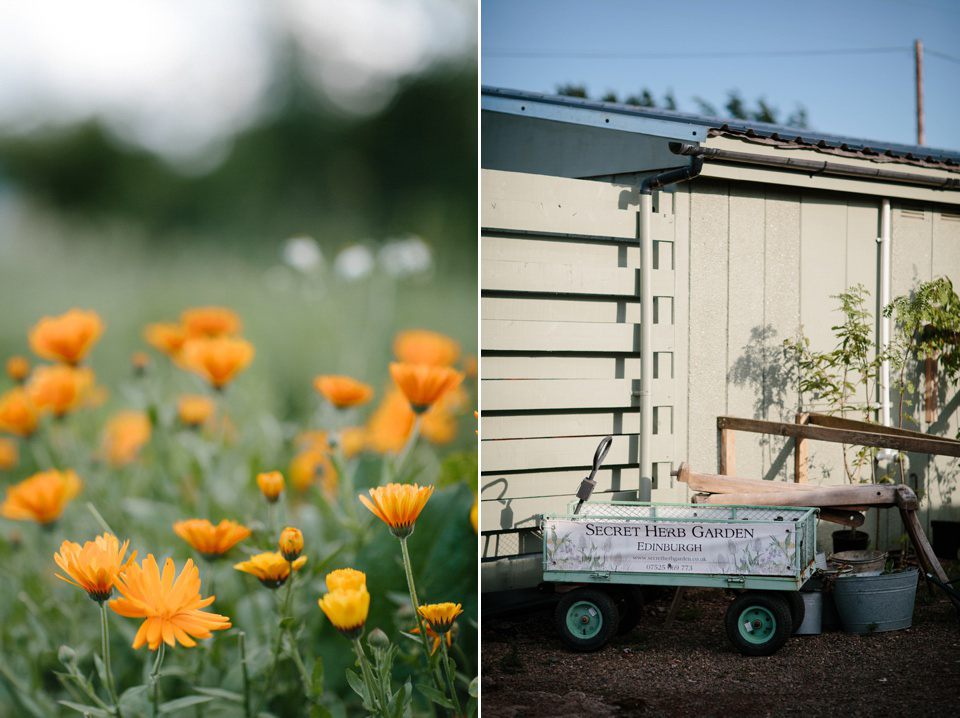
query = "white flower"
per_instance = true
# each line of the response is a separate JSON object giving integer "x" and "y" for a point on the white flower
{"x": 406, "y": 257}
{"x": 302, "y": 253}
{"x": 354, "y": 263}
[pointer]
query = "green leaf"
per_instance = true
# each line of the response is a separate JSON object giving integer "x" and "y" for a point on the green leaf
{"x": 220, "y": 693}
{"x": 434, "y": 695}
{"x": 316, "y": 679}
{"x": 86, "y": 710}
{"x": 179, "y": 703}
{"x": 131, "y": 693}
{"x": 474, "y": 688}
{"x": 400, "y": 701}
{"x": 319, "y": 711}
{"x": 101, "y": 668}
{"x": 357, "y": 685}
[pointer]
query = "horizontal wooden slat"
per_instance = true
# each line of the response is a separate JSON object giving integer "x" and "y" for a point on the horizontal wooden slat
{"x": 622, "y": 311}
{"x": 534, "y": 394}
{"x": 519, "y": 454}
{"x": 558, "y": 278}
{"x": 526, "y": 426}
{"x": 588, "y": 254}
{"x": 564, "y": 336}
{"x": 557, "y": 483}
{"x": 560, "y": 367}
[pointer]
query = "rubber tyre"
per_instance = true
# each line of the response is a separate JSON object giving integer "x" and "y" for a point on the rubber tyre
{"x": 758, "y": 624}
{"x": 629, "y": 600}
{"x": 586, "y": 618}
{"x": 798, "y": 609}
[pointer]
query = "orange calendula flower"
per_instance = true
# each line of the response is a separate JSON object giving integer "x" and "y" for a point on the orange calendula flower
{"x": 217, "y": 359}
{"x": 210, "y": 321}
{"x": 124, "y": 435}
{"x": 270, "y": 484}
{"x": 211, "y": 541}
{"x": 440, "y": 616}
{"x": 343, "y": 391}
{"x": 95, "y": 566}
{"x": 435, "y": 637}
{"x": 140, "y": 361}
{"x": 170, "y": 604}
{"x": 167, "y": 337}
{"x": 194, "y": 410}
{"x": 291, "y": 543}
{"x": 475, "y": 514}
{"x": 66, "y": 338}
{"x": 61, "y": 388}
{"x": 314, "y": 464}
{"x": 9, "y": 454}
{"x": 42, "y": 497}
{"x": 18, "y": 413}
{"x": 270, "y": 567}
{"x": 346, "y": 579}
{"x": 347, "y": 610}
{"x": 422, "y": 346}
{"x": 424, "y": 384}
{"x": 398, "y": 505}
{"x": 18, "y": 367}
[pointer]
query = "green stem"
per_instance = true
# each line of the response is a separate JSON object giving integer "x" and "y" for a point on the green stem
{"x": 376, "y": 706}
{"x": 282, "y": 628}
{"x": 449, "y": 673}
{"x": 246, "y": 677}
{"x": 100, "y": 520}
{"x": 105, "y": 652}
{"x": 155, "y": 679}
{"x": 274, "y": 528}
{"x": 407, "y": 447}
{"x": 422, "y": 629}
{"x": 302, "y": 670}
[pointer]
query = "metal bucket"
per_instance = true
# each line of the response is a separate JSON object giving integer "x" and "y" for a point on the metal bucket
{"x": 859, "y": 561}
{"x": 812, "y": 611}
{"x": 872, "y": 604}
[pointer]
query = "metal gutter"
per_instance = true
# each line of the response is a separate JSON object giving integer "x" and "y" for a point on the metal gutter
{"x": 816, "y": 166}
{"x": 680, "y": 174}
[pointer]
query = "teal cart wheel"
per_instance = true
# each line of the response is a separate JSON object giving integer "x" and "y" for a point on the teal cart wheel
{"x": 758, "y": 624}
{"x": 586, "y": 618}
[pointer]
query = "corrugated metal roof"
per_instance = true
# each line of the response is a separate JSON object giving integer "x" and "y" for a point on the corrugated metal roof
{"x": 762, "y": 132}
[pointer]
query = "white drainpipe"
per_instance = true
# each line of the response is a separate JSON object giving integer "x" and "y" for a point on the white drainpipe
{"x": 884, "y": 301}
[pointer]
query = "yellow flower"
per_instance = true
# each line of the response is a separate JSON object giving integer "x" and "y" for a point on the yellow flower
{"x": 347, "y": 610}
{"x": 171, "y": 607}
{"x": 474, "y": 514}
{"x": 210, "y": 321}
{"x": 18, "y": 367}
{"x": 435, "y": 637}
{"x": 291, "y": 543}
{"x": 94, "y": 567}
{"x": 124, "y": 436}
{"x": 61, "y": 388}
{"x": 9, "y": 454}
{"x": 18, "y": 413}
{"x": 168, "y": 337}
{"x": 140, "y": 361}
{"x": 66, "y": 338}
{"x": 440, "y": 616}
{"x": 312, "y": 464}
{"x": 343, "y": 391}
{"x": 209, "y": 540}
{"x": 390, "y": 423}
{"x": 42, "y": 497}
{"x": 271, "y": 485}
{"x": 424, "y": 384}
{"x": 398, "y": 505}
{"x": 346, "y": 579}
{"x": 270, "y": 567}
{"x": 217, "y": 359}
{"x": 422, "y": 346}
{"x": 194, "y": 410}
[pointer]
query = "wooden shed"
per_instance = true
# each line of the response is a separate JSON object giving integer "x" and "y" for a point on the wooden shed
{"x": 764, "y": 226}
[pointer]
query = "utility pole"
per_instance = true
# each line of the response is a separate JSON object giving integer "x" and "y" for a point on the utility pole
{"x": 918, "y": 56}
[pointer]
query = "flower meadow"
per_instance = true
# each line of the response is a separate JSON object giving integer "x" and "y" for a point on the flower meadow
{"x": 170, "y": 549}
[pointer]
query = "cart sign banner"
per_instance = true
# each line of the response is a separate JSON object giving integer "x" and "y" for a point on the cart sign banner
{"x": 637, "y": 546}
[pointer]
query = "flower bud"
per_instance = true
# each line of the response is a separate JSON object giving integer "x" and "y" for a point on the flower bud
{"x": 378, "y": 640}
{"x": 271, "y": 485}
{"x": 67, "y": 655}
{"x": 291, "y": 543}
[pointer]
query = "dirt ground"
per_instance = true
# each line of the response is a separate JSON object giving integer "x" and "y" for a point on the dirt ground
{"x": 691, "y": 669}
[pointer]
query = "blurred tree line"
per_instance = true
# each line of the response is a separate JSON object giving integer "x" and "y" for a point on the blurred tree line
{"x": 735, "y": 107}
{"x": 301, "y": 169}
